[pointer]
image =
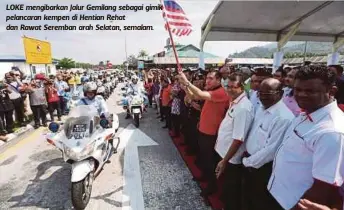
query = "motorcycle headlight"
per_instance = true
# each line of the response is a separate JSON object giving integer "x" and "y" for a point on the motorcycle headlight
{"x": 79, "y": 153}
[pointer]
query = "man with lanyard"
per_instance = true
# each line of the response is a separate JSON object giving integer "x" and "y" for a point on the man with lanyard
{"x": 213, "y": 111}
{"x": 61, "y": 86}
{"x": 270, "y": 122}
{"x": 232, "y": 133}
{"x": 16, "y": 86}
{"x": 309, "y": 163}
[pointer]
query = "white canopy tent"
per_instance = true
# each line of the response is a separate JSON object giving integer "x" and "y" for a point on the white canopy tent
{"x": 276, "y": 21}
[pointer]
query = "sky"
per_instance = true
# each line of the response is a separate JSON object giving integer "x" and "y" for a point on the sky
{"x": 95, "y": 46}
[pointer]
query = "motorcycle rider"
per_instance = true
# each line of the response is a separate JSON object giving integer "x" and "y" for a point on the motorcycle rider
{"x": 91, "y": 98}
{"x": 134, "y": 88}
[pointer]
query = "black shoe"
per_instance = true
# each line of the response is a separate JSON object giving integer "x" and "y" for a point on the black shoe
{"x": 127, "y": 117}
{"x": 36, "y": 126}
{"x": 45, "y": 125}
{"x": 162, "y": 120}
{"x": 59, "y": 119}
{"x": 165, "y": 127}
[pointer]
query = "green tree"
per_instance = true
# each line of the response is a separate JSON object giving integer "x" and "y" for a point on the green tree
{"x": 66, "y": 63}
{"x": 142, "y": 54}
{"x": 132, "y": 60}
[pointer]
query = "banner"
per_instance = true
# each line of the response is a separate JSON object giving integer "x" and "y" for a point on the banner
{"x": 278, "y": 60}
{"x": 37, "y": 51}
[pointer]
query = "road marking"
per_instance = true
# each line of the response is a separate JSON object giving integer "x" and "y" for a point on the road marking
{"x": 131, "y": 139}
{"x": 13, "y": 149}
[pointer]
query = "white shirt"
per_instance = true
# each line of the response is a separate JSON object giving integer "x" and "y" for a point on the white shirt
{"x": 255, "y": 100}
{"x": 249, "y": 93}
{"x": 14, "y": 87}
{"x": 286, "y": 91}
{"x": 138, "y": 88}
{"x": 235, "y": 125}
{"x": 266, "y": 134}
{"x": 224, "y": 82}
{"x": 313, "y": 148}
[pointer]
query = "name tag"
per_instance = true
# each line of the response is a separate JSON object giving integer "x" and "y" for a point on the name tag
{"x": 230, "y": 113}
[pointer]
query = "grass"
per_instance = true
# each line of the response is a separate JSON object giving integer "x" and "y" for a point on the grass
{"x": 17, "y": 126}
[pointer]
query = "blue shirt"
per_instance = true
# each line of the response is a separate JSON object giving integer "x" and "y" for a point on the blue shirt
{"x": 61, "y": 86}
{"x": 98, "y": 102}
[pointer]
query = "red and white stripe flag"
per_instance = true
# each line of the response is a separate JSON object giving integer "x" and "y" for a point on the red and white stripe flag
{"x": 176, "y": 18}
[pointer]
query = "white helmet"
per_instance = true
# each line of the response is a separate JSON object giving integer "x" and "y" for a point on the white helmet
{"x": 134, "y": 77}
{"x": 90, "y": 87}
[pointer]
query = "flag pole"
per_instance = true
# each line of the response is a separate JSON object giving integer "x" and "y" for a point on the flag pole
{"x": 172, "y": 41}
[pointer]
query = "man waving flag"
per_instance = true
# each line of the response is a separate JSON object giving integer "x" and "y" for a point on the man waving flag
{"x": 176, "y": 18}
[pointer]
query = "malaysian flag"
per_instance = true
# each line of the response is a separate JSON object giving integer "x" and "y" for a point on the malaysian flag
{"x": 176, "y": 18}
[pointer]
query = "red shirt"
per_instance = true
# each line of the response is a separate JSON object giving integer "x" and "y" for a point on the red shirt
{"x": 165, "y": 96}
{"x": 341, "y": 106}
{"x": 52, "y": 95}
{"x": 214, "y": 111}
{"x": 148, "y": 87}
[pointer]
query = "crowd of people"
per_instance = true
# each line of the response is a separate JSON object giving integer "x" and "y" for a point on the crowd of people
{"x": 41, "y": 95}
{"x": 276, "y": 138}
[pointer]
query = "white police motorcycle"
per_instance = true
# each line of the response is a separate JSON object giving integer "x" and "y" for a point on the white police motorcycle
{"x": 135, "y": 106}
{"x": 86, "y": 142}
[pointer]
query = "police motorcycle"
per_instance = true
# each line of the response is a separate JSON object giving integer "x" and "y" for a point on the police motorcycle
{"x": 134, "y": 105}
{"x": 101, "y": 90}
{"x": 86, "y": 141}
{"x": 108, "y": 88}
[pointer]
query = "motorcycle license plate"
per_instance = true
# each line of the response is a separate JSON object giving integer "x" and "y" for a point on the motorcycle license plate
{"x": 78, "y": 135}
{"x": 136, "y": 111}
{"x": 79, "y": 128}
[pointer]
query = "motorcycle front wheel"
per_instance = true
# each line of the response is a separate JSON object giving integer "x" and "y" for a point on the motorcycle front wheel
{"x": 81, "y": 192}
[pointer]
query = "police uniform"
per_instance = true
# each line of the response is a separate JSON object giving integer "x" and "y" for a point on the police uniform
{"x": 98, "y": 102}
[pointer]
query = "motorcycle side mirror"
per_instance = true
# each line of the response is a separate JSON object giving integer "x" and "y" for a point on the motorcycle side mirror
{"x": 104, "y": 123}
{"x": 54, "y": 127}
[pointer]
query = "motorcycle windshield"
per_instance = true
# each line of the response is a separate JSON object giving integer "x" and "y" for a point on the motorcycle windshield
{"x": 80, "y": 122}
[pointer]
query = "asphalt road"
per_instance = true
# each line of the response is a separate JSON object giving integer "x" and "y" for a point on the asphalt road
{"x": 34, "y": 176}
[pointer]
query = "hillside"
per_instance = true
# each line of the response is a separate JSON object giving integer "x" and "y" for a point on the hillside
{"x": 318, "y": 48}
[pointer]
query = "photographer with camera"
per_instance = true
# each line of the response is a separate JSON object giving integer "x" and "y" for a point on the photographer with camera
{"x": 53, "y": 99}
{"x": 16, "y": 88}
{"x": 6, "y": 112}
{"x": 38, "y": 101}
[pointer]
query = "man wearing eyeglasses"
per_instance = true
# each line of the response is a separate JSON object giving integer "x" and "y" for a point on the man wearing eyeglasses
{"x": 231, "y": 136}
{"x": 309, "y": 163}
{"x": 266, "y": 134}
